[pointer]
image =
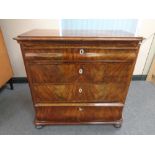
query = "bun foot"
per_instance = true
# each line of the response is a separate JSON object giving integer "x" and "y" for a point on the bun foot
{"x": 117, "y": 125}
{"x": 39, "y": 126}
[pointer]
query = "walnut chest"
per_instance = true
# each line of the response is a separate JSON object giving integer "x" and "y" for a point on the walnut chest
{"x": 79, "y": 77}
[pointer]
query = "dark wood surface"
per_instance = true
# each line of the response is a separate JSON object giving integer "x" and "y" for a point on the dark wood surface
{"x": 95, "y": 72}
{"x": 79, "y": 77}
{"x": 105, "y": 92}
{"x": 79, "y": 114}
{"x": 42, "y": 34}
{"x": 74, "y": 54}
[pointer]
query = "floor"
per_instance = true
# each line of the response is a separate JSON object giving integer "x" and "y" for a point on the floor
{"x": 17, "y": 114}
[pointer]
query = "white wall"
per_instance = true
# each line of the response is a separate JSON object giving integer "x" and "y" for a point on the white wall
{"x": 11, "y": 28}
{"x": 145, "y": 29}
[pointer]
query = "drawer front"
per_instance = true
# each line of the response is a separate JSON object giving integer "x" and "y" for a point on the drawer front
{"x": 70, "y": 114}
{"x": 108, "y": 92}
{"x": 75, "y": 54}
{"x": 80, "y": 72}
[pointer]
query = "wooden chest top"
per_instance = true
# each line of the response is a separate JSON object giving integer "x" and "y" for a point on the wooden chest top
{"x": 85, "y": 35}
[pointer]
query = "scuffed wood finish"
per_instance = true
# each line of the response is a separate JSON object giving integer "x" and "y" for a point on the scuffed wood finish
{"x": 79, "y": 78}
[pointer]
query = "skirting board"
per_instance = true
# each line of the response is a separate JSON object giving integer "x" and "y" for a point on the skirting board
{"x": 24, "y": 79}
{"x": 139, "y": 77}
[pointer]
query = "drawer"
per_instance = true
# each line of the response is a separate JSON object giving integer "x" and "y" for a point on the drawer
{"x": 107, "y": 92}
{"x": 76, "y": 54}
{"x": 80, "y": 72}
{"x": 73, "y": 114}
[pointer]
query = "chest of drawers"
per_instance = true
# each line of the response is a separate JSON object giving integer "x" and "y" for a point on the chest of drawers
{"x": 78, "y": 78}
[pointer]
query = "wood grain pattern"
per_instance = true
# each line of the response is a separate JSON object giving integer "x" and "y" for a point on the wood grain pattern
{"x": 77, "y": 35}
{"x": 109, "y": 104}
{"x": 106, "y": 92}
{"x": 68, "y": 87}
{"x": 78, "y": 114}
{"x": 101, "y": 44}
{"x": 91, "y": 72}
{"x": 74, "y": 54}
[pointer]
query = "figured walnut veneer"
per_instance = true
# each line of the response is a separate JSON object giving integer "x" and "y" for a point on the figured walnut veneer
{"x": 78, "y": 78}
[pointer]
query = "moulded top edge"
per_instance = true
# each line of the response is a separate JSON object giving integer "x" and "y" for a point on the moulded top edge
{"x": 78, "y": 35}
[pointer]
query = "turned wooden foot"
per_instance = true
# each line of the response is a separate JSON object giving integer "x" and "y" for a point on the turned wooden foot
{"x": 39, "y": 126}
{"x": 117, "y": 125}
